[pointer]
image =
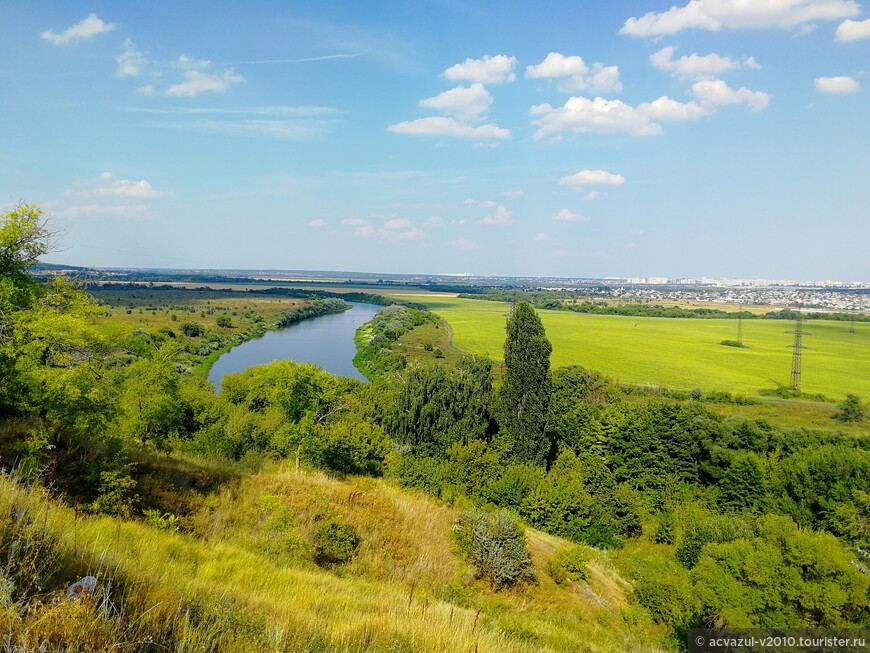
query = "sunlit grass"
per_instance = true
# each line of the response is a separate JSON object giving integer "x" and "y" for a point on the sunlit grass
{"x": 677, "y": 353}
{"x": 406, "y": 590}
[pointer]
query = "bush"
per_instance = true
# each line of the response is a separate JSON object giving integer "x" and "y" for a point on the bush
{"x": 334, "y": 543}
{"x": 224, "y": 322}
{"x": 569, "y": 564}
{"x": 495, "y": 545}
{"x": 851, "y": 409}
{"x": 192, "y": 329}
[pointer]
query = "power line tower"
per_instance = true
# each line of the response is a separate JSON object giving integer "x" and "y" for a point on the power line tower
{"x": 796, "y": 347}
{"x": 740, "y": 327}
{"x": 852, "y": 324}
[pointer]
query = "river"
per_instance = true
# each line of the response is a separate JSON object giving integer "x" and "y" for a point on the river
{"x": 326, "y": 341}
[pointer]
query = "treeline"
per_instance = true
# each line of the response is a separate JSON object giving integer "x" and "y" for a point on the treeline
{"x": 316, "y": 308}
{"x": 375, "y": 357}
{"x": 550, "y": 300}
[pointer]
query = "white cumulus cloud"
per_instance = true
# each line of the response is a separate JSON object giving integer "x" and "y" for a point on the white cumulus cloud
{"x": 84, "y": 29}
{"x": 486, "y": 70}
{"x": 592, "y": 178}
{"x": 397, "y": 223}
{"x": 466, "y": 103}
{"x": 569, "y": 216}
{"x": 354, "y": 222}
{"x": 582, "y": 115}
{"x": 853, "y": 30}
{"x": 717, "y": 93}
{"x": 839, "y": 85}
{"x": 575, "y": 76}
{"x": 131, "y": 62}
{"x": 444, "y": 126}
{"x": 716, "y": 15}
{"x": 693, "y": 66}
{"x": 319, "y": 222}
{"x": 669, "y": 110}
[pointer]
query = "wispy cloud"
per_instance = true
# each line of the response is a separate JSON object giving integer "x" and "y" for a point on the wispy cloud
{"x": 325, "y": 57}
{"x": 592, "y": 178}
{"x": 462, "y": 243}
{"x": 84, "y": 29}
{"x": 569, "y": 216}
{"x": 131, "y": 62}
{"x": 107, "y": 196}
{"x": 288, "y": 123}
{"x": 199, "y": 78}
{"x": 444, "y": 126}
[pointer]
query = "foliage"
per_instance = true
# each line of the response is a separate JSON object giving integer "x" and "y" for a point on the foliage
{"x": 224, "y": 322}
{"x": 580, "y": 502}
{"x": 436, "y": 407}
{"x": 525, "y": 394}
{"x": 161, "y": 521}
{"x": 784, "y": 577}
{"x": 334, "y": 543}
{"x": 316, "y": 308}
{"x": 192, "y": 329}
{"x": 713, "y": 529}
{"x": 496, "y": 545}
{"x": 569, "y": 564}
{"x": 850, "y": 409}
{"x": 744, "y": 485}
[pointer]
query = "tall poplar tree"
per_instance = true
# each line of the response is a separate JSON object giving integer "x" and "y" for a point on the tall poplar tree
{"x": 527, "y": 387}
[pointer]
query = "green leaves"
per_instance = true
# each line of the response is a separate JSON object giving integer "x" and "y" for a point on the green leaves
{"x": 527, "y": 387}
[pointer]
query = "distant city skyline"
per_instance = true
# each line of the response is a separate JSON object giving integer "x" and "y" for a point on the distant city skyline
{"x": 712, "y": 138}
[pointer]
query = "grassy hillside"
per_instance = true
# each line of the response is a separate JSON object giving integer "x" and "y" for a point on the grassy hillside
{"x": 243, "y": 578}
{"x": 676, "y": 353}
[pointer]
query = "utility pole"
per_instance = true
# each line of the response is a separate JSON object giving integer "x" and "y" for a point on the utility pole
{"x": 740, "y": 327}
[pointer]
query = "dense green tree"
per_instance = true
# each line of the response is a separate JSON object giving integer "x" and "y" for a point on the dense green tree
{"x": 436, "y": 407}
{"x": 744, "y": 485}
{"x": 525, "y": 395}
{"x": 784, "y": 577}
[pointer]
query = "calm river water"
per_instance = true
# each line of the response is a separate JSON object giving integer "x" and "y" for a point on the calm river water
{"x": 326, "y": 341}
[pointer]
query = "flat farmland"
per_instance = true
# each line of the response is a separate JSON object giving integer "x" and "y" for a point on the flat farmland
{"x": 676, "y": 353}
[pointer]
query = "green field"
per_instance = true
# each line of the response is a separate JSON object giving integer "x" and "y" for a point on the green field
{"x": 676, "y": 353}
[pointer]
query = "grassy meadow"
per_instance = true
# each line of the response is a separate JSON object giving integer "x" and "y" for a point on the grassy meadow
{"x": 676, "y": 353}
{"x": 244, "y": 556}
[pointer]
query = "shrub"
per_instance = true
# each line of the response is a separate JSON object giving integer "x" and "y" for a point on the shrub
{"x": 495, "y": 545}
{"x": 192, "y": 329}
{"x": 161, "y": 521}
{"x": 851, "y": 409}
{"x": 569, "y": 564}
{"x": 334, "y": 543}
{"x": 224, "y": 322}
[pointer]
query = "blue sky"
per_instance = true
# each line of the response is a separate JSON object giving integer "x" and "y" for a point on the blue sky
{"x": 715, "y": 138}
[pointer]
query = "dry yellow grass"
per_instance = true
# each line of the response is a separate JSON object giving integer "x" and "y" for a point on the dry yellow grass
{"x": 406, "y": 590}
